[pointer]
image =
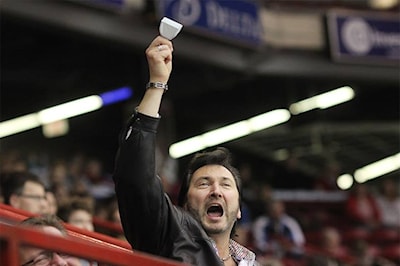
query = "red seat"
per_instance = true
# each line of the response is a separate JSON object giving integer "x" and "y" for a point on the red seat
{"x": 293, "y": 262}
{"x": 391, "y": 252}
{"x": 385, "y": 236}
{"x": 313, "y": 238}
{"x": 349, "y": 236}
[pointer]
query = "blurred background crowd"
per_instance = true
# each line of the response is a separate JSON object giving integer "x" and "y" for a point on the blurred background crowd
{"x": 53, "y": 52}
{"x": 357, "y": 227}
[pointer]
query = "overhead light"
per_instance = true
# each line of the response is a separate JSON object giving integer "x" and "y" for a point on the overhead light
{"x": 345, "y": 181}
{"x": 228, "y": 133}
{"x": 70, "y": 109}
{"x": 63, "y": 111}
{"x": 116, "y": 95}
{"x": 19, "y": 124}
{"x": 377, "y": 169}
{"x": 323, "y": 101}
{"x": 383, "y": 4}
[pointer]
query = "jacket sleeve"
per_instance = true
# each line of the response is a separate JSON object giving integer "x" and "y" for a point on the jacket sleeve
{"x": 143, "y": 206}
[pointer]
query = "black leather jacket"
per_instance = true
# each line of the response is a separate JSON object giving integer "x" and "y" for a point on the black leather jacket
{"x": 151, "y": 222}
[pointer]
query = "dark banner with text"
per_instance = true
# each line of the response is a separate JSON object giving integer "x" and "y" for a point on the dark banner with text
{"x": 364, "y": 37}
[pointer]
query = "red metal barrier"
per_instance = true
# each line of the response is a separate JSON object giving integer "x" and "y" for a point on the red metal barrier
{"x": 80, "y": 243}
{"x": 111, "y": 227}
{"x": 12, "y": 236}
{"x": 13, "y": 215}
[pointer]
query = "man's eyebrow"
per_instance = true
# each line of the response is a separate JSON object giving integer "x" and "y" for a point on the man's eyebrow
{"x": 197, "y": 180}
{"x": 207, "y": 178}
{"x": 225, "y": 178}
{"x": 43, "y": 252}
{"x": 30, "y": 261}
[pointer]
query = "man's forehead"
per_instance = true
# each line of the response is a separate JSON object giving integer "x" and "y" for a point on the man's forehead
{"x": 214, "y": 179}
{"x": 213, "y": 172}
{"x": 33, "y": 186}
{"x": 29, "y": 252}
{"x": 51, "y": 230}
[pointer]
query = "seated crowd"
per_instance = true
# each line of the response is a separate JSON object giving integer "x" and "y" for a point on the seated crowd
{"x": 362, "y": 230}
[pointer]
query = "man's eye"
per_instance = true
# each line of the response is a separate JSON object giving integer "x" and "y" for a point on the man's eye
{"x": 41, "y": 257}
{"x": 41, "y": 260}
{"x": 203, "y": 184}
{"x": 226, "y": 184}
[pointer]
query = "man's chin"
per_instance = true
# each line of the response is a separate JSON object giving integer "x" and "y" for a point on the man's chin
{"x": 213, "y": 228}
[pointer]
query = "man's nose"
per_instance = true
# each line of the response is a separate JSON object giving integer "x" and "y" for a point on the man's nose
{"x": 58, "y": 260}
{"x": 44, "y": 203}
{"x": 216, "y": 191}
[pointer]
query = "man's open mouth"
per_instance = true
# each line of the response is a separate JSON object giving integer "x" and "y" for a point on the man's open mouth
{"x": 215, "y": 211}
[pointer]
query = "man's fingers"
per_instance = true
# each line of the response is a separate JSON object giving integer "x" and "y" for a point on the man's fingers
{"x": 162, "y": 47}
{"x": 161, "y": 41}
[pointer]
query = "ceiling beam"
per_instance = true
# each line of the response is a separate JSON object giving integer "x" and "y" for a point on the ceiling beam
{"x": 135, "y": 32}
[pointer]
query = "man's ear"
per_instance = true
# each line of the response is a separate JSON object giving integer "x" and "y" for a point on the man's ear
{"x": 239, "y": 214}
{"x": 14, "y": 201}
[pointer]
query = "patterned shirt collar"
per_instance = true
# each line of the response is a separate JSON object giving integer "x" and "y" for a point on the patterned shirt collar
{"x": 240, "y": 253}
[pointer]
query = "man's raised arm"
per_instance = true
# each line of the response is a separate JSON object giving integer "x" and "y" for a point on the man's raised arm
{"x": 159, "y": 58}
{"x": 142, "y": 204}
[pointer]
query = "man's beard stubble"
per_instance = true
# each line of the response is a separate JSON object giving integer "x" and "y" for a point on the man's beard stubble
{"x": 211, "y": 231}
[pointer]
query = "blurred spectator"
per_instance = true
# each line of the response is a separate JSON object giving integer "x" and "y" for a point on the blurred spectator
{"x": 249, "y": 199}
{"x": 52, "y": 203}
{"x": 98, "y": 183}
{"x": 264, "y": 195}
{"x": 389, "y": 203}
{"x": 61, "y": 193}
{"x": 327, "y": 179}
{"x": 24, "y": 190}
{"x": 30, "y": 256}
{"x": 76, "y": 167}
{"x": 253, "y": 192}
{"x": 249, "y": 185}
{"x": 362, "y": 208}
{"x": 12, "y": 161}
{"x": 37, "y": 164}
{"x": 67, "y": 176}
{"x": 78, "y": 212}
{"x": 331, "y": 243}
{"x": 331, "y": 250}
{"x": 321, "y": 260}
{"x": 278, "y": 234}
{"x": 365, "y": 255}
{"x": 243, "y": 227}
{"x": 114, "y": 216}
{"x": 58, "y": 175}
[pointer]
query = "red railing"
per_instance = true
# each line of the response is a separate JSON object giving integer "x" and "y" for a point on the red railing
{"x": 110, "y": 227}
{"x": 80, "y": 243}
{"x": 16, "y": 215}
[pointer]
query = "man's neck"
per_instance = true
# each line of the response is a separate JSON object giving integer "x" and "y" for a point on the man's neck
{"x": 222, "y": 244}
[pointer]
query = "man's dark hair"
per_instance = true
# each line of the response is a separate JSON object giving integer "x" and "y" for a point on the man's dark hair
{"x": 45, "y": 220}
{"x": 65, "y": 211}
{"x": 219, "y": 156}
{"x": 13, "y": 183}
